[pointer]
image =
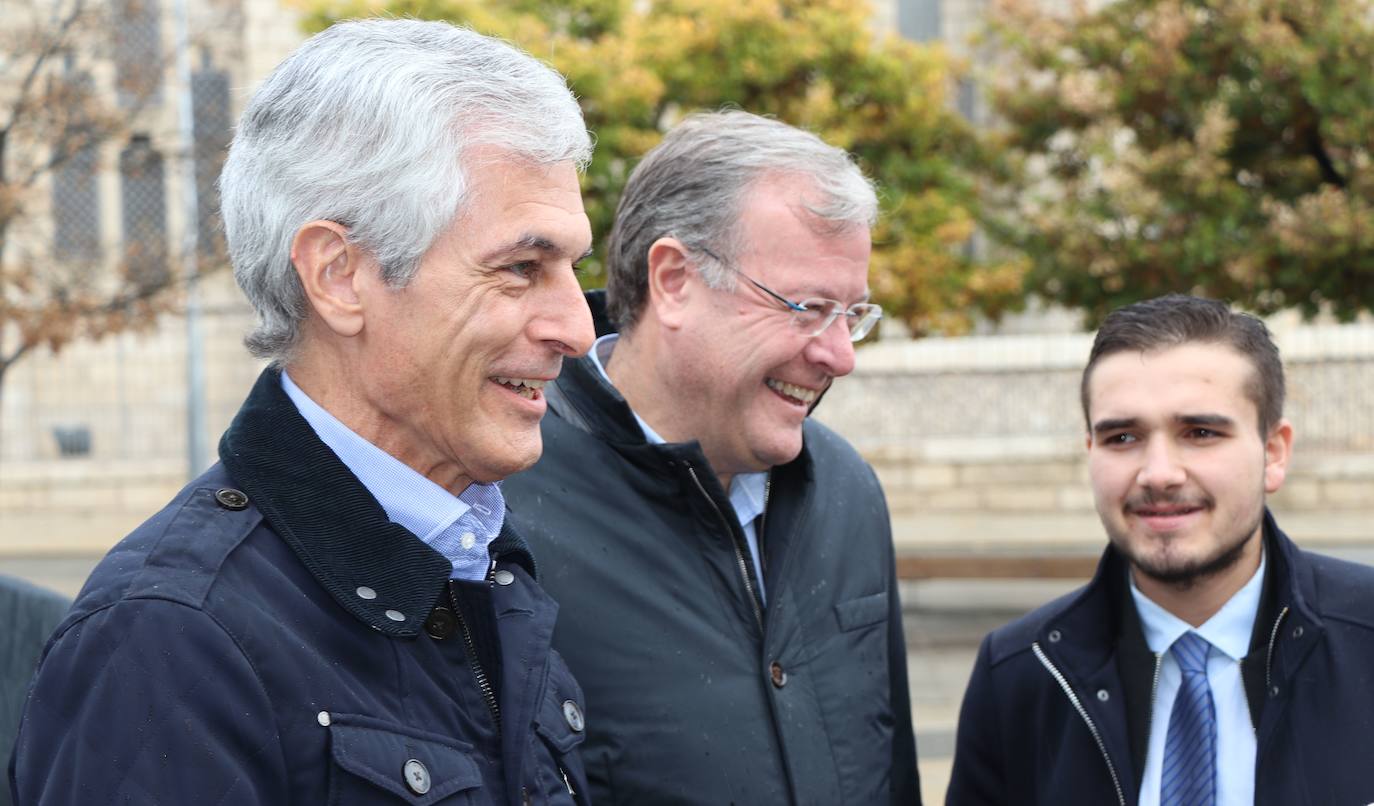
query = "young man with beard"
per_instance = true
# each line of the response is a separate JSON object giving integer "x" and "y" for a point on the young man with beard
{"x": 1210, "y": 660}
{"x": 723, "y": 563}
{"x": 337, "y": 611}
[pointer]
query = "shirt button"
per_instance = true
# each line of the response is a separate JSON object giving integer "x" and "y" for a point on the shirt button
{"x": 232, "y": 499}
{"x": 777, "y": 674}
{"x": 503, "y": 577}
{"x": 574, "y": 715}
{"x": 467, "y": 541}
{"x": 417, "y": 777}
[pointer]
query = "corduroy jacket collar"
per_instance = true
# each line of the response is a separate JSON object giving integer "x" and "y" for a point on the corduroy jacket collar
{"x": 330, "y": 520}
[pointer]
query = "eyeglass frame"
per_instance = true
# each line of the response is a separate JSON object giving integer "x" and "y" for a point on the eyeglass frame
{"x": 872, "y": 317}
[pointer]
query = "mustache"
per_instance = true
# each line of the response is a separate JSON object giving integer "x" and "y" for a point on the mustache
{"x": 1150, "y": 499}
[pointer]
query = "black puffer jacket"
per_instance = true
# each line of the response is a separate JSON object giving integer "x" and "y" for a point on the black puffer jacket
{"x": 695, "y": 692}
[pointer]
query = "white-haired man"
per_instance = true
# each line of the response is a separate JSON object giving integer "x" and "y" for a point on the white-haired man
{"x": 336, "y": 612}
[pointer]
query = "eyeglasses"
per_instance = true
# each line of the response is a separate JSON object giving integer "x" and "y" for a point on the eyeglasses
{"x": 812, "y": 316}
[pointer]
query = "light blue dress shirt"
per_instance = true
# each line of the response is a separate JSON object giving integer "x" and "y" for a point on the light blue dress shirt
{"x": 746, "y": 489}
{"x": 1228, "y": 631}
{"x": 459, "y": 527}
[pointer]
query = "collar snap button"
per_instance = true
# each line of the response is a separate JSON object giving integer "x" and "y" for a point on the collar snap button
{"x": 231, "y": 499}
{"x": 503, "y": 577}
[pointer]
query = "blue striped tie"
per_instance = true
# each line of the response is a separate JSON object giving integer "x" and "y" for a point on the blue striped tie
{"x": 1190, "y": 747}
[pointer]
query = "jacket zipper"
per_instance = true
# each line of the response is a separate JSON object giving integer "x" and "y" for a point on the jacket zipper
{"x": 763, "y": 524}
{"x": 1269, "y": 656}
{"x": 1078, "y": 706}
{"x": 739, "y": 550}
{"x": 478, "y": 673}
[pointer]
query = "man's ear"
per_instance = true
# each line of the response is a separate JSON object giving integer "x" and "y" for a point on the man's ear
{"x": 328, "y": 268}
{"x": 1277, "y": 450}
{"x": 669, "y": 289}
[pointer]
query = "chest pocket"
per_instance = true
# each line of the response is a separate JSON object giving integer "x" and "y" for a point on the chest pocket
{"x": 373, "y": 758}
{"x": 561, "y": 727}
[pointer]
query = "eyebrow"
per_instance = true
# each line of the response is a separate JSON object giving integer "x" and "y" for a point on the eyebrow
{"x": 1103, "y": 426}
{"x": 539, "y": 243}
{"x": 1214, "y": 420}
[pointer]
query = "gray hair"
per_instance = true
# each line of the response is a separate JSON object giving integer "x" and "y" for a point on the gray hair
{"x": 691, "y": 187}
{"x": 366, "y": 124}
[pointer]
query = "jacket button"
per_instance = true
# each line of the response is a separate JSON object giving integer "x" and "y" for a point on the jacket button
{"x": 231, "y": 499}
{"x": 1055, "y": 636}
{"x": 574, "y": 716}
{"x": 440, "y": 623}
{"x": 777, "y": 674}
{"x": 503, "y": 577}
{"x": 1103, "y": 695}
{"x": 395, "y": 615}
{"x": 1297, "y": 631}
{"x": 417, "y": 777}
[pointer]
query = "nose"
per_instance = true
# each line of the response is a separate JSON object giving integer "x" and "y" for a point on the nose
{"x": 1161, "y": 469}
{"x": 832, "y": 349}
{"x": 565, "y": 321}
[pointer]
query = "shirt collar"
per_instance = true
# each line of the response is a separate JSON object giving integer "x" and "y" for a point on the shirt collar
{"x": 408, "y": 497}
{"x": 1228, "y": 629}
{"x": 746, "y": 489}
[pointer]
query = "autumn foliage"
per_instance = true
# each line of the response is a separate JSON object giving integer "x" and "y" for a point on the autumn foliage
{"x": 1221, "y": 147}
{"x": 637, "y": 67}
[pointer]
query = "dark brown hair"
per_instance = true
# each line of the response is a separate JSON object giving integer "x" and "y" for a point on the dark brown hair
{"x": 1177, "y": 319}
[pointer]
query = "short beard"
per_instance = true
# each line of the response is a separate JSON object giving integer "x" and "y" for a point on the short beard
{"x": 1185, "y": 577}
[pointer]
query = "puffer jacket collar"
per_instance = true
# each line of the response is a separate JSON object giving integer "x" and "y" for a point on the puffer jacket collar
{"x": 329, "y": 519}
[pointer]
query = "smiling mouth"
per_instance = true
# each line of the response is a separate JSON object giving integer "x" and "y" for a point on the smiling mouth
{"x": 800, "y": 395}
{"x": 528, "y": 388}
{"x": 1165, "y": 511}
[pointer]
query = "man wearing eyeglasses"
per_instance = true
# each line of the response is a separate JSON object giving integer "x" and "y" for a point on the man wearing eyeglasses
{"x": 724, "y": 564}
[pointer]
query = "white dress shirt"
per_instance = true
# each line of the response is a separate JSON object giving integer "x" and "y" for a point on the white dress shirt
{"x": 746, "y": 489}
{"x": 1228, "y": 631}
{"x": 459, "y": 527}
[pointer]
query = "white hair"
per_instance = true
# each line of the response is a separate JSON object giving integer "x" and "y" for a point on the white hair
{"x": 366, "y": 124}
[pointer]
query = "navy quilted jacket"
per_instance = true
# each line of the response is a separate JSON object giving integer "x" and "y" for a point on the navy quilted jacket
{"x": 271, "y": 638}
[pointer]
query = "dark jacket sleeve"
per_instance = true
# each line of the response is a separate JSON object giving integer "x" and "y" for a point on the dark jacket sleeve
{"x": 147, "y": 701}
{"x": 979, "y": 775}
{"x": 906, "y": 781}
